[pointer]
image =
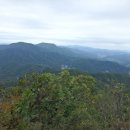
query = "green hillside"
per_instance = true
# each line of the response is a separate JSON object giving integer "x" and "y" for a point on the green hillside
{"x": 19, "y": 58}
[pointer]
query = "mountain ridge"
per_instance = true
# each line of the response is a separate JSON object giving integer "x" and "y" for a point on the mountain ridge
{"x": 22, "y": 56}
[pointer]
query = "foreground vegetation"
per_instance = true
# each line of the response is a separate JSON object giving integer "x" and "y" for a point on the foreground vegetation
{"x": 64, "y": 101}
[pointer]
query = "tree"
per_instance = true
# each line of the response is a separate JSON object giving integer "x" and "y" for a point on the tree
{"x": 58, "y": 101}
{"x": 64, "y": 101}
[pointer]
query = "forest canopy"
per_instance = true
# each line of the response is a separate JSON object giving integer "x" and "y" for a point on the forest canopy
{"x": 64, "y": 101}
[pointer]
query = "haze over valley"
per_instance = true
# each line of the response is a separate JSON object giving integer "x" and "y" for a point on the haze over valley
{"x": 64, "y": 64}
{"x": 20, "y": 58}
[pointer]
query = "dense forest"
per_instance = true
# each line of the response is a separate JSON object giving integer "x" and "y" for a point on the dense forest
{"x": 64, "y": 64}
{"x": 49, "y": 87}
{"x": 16, "y": 59}
{"x": 66, "y": 100}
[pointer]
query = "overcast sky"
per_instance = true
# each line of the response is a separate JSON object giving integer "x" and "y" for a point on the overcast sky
{"x": 96, "y": 23}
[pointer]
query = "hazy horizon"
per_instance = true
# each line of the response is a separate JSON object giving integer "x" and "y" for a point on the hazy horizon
{"x": 99, "y": 24}
{"x": 70, "y": 45}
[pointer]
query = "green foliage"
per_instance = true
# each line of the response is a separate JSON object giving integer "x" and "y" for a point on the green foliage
{"x": 57, "y": 100}
{"x": 22, "y": 58}
{"x": 64, "y": 101}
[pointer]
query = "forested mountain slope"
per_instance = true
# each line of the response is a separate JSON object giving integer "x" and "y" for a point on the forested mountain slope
{"x": 19, "y": 58}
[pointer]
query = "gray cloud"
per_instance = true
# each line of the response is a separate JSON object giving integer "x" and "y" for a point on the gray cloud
{"x": 96, "y": 23}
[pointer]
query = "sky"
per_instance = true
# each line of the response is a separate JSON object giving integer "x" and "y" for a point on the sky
{"x": 93, "y": 23}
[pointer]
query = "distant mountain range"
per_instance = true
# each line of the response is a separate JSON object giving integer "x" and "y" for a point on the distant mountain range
{"x": 120, "y": 57}
{"x": 19, "y": 58}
